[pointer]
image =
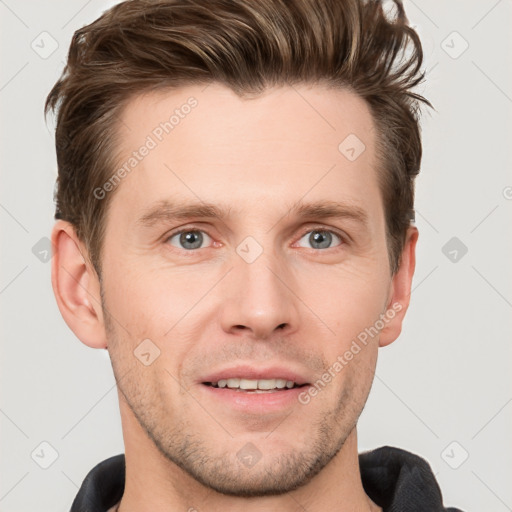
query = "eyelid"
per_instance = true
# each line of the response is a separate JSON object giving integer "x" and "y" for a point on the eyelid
{"x": 340, "y": 234}
{"x": 185, "y": 229}
{"x": 307, "y": 229}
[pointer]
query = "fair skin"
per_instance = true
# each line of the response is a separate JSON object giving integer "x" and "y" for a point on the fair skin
{"x": 291, "y": 312}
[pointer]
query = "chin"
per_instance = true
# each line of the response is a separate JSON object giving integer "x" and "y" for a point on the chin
{"x": 278, "y": 476}
{"x": 261, "y": 467}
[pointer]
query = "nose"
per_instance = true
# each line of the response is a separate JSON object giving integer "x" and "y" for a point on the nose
{"x": 258, "y": 299}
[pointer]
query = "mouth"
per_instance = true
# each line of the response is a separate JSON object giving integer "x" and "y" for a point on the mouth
{"x": 244, "y": 385}
{"x": 253, "y": 390}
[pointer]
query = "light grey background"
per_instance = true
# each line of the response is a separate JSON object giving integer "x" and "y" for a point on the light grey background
{"x": 446, "y": 379}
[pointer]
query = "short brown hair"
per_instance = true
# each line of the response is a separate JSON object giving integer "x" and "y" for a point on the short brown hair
{"x": 249, "y": 46}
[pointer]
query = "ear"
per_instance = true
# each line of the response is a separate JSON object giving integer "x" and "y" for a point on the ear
{"x": 400, "y": 290}
{"x": 76, "y": 286}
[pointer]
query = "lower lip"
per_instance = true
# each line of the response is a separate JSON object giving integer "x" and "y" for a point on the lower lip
{"x": 248, "y": 401}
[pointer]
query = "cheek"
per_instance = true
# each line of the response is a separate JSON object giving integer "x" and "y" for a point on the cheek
{"x": 348, "y": 298}
{"x": 149, "y": 303}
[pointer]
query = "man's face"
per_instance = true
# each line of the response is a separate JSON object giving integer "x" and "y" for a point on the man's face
{"x": 262, "y": 293}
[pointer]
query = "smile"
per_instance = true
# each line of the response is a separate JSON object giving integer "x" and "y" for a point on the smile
{"x": 254, "y": 385}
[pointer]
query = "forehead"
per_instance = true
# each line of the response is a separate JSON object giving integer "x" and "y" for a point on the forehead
{"x": 207, "y": 144}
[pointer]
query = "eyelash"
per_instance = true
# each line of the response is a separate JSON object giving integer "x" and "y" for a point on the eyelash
{"x": 343, "y": 238}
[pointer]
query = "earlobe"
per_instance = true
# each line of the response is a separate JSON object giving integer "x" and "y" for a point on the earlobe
{"x": 76, "y": 287}
{"x": 400, "y": 290}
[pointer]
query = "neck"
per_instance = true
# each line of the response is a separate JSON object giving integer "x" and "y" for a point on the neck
{"x": 155, "y": 483}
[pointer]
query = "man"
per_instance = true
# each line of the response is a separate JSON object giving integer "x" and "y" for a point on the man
{"x": 234, "y": 201}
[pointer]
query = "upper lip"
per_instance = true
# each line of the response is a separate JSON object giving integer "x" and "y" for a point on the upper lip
{"x": 253, "y": 373}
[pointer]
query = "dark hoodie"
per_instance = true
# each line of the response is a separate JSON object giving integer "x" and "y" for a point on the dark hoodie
{"x": 396, "y": 480}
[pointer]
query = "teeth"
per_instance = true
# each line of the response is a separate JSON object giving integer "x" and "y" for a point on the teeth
{"x": 248, "y": 384}
{"x": 267, "y": 384}
{"x": 255, "y": 384}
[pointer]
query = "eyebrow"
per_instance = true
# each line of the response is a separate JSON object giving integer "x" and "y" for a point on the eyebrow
{"x": 166, "y": 211}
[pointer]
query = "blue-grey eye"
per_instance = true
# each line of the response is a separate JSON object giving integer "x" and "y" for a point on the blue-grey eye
{"x": 189, "y": 240}
{"x": 320, "y": 238}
